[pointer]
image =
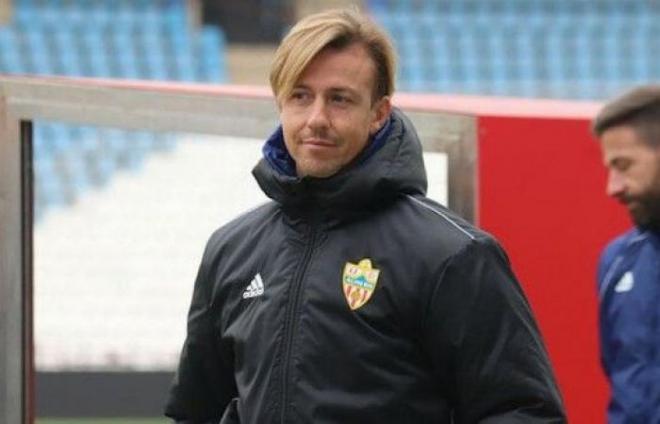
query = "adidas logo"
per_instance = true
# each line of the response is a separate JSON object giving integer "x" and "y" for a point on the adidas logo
{"x": 256, "y": 288}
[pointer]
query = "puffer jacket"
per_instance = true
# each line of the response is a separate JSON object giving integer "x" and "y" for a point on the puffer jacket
{"x": 355, "y": 299}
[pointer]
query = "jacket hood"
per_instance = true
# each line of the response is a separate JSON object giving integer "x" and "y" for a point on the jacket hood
{"x": 389, "y": 166}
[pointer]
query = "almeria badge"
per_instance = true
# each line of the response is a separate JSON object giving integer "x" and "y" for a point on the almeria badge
{"x": 359, "y": 282}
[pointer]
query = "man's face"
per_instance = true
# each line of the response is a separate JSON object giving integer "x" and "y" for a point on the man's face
{"x": 633, "y": 174}
{"x": 329, "y": 115}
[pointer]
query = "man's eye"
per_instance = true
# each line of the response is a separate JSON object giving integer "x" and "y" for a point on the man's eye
{"x": 298, "y": 95}
{"x": 340, "y": 99}
{"x": 621, "y": 165}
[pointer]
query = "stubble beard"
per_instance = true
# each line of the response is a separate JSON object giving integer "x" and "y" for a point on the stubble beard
{"x": 647, "y": 214}
{"x": 317, "y": 168}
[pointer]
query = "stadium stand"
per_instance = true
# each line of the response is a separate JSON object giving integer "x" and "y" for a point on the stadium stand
{"x": 524, "y": 48}
{"x": 144, "y": 39}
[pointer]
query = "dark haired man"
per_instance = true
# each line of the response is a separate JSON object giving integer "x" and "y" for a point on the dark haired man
{"x": 629, "y": 270}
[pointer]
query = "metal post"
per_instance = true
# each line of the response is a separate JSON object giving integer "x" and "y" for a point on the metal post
{"x": 15, "y": 325}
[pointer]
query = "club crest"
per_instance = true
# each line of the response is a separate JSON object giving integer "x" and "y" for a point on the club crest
{"x": 359, "y": 282}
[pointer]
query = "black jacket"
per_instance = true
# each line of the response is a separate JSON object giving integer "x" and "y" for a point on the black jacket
{"x": 355, "y": 299}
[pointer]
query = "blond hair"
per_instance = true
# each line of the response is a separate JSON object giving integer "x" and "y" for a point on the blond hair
{"x": 638, "y": 108}
{"x": 336, "y": 28}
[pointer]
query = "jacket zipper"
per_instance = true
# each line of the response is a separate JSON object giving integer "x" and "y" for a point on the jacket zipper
{"x": 292, "y": 313}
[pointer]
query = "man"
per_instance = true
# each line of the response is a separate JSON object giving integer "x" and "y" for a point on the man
{"x": 629, "y": 269}
{"x": 351, "y": 297}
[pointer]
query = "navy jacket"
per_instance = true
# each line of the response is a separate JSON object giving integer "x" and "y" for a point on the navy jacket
{"x": 355, "y": 299}
{"x": 629, "y": 292}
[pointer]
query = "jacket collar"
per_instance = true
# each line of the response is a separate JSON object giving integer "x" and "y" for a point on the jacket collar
{"x": 391, "y": 165}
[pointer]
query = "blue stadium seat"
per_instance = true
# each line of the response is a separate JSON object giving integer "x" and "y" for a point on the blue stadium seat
{"x": 96, "y": 51}
{"x": 209, "y": 54}
{"x": 10, "y": 58}
{"x": 48, "y": 187}
{"x": 77, "y": 179}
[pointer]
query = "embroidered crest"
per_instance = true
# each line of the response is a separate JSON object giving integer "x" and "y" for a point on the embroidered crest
{"x": 359, "y": 282}
{"x": 626, "y": 283}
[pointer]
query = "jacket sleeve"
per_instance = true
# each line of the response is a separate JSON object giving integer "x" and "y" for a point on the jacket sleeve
{"x": 485, "y": 345}
{"x": 204, "y": 383}
{"x": 602, "y": 278}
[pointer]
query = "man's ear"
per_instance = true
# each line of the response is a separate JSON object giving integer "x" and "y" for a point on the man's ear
{"x": 381, "y": 111}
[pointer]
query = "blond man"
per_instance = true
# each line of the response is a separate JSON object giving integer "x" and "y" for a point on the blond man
{"x": 351, "y": 297}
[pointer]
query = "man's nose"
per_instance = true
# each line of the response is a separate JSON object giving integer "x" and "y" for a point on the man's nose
{"x": 318, "y": 115}
{"x": 615, "y": 184}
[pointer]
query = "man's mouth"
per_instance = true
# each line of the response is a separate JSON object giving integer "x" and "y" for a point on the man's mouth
{"x": 317, "y": 142}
